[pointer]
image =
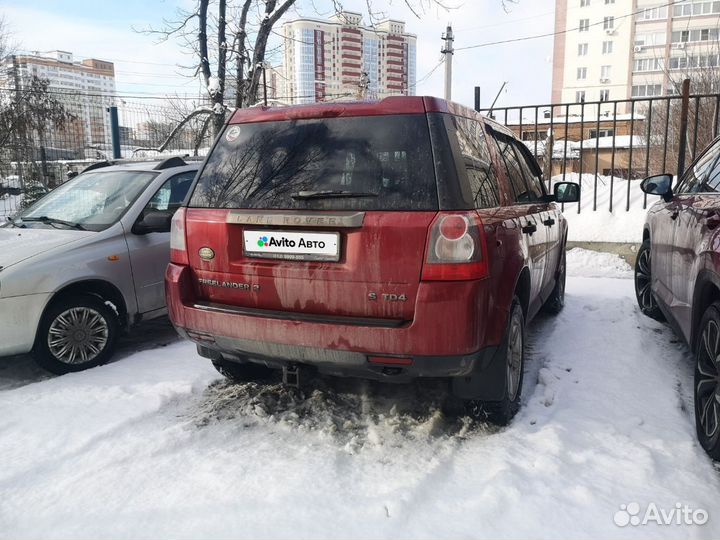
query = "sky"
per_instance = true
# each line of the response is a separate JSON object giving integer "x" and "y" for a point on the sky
{"x": 109, "y": 30}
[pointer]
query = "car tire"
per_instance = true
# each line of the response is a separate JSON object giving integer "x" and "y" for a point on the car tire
{"x": 75, "y": 333}
{"x": 705, "y": 391}
{"x": 643, "y": 284}
{"x": 242, "y": 372}
{"x": 513, "y": 346}
{"x": 556, "y": 301}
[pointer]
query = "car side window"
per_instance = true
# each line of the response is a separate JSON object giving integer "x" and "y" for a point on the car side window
{"x": 712, "y": 183}
{"x": 696, "y": 179}
{"x": 532, "y": 179}
{"x": 172, "y": 193}
{"x": 478, "y": 164}
{"x": 515, "y": 173}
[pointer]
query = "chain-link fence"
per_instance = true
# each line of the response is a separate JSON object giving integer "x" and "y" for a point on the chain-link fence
{"x": 54, "y": 147}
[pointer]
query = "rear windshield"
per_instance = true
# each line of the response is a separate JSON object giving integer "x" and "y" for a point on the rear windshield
{"x": 360, "y": 163}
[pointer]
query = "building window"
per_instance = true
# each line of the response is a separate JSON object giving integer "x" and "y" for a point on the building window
{"x": 695, "y": 61}
{"x": 648, "y": 64}
{"x": 605, "y": 72}
{"x": 700, "y": 34}
{"x": 580, "y": 96}
{"x": 607, "y": 47}
{"x": 647, "y": 90}
{"x": 594, "y": 133}
{"x": 584, "y": 25}
{"x": 653, "y": 13}
{"x": 696, "y": 8}
{"x": 581, "y": 73}
{"x": 604, "y": 95}
{"x": 609, "y": 23}
{"x": 582, "y": 49}
{"x": 584, "y": 3}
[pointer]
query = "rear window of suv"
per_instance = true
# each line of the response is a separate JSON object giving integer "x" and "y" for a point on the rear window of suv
{"x": 368, "y": 163}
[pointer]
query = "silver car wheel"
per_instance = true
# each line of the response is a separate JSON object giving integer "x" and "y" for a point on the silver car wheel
{"x": 78, "y": 335}
{"x": 514, "y": 356}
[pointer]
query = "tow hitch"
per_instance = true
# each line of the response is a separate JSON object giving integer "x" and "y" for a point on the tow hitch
{"x": 291, "y": 375}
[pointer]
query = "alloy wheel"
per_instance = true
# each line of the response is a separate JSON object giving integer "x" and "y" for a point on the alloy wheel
{"x": 514, "y": 357}
{"x": 643, "y": 289}
{"x": 707, "y": 389}
{"x": 78, "y": 335}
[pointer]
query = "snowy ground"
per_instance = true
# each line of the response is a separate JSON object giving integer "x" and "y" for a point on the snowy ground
{"x": 155, "y": 445}
{"x": 601, "y": 225}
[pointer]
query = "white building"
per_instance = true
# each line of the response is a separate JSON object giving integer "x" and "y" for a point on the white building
{"x": 339, "y": 57}
{"x": 617, "y": 49}
{"x": 85, "y": 87}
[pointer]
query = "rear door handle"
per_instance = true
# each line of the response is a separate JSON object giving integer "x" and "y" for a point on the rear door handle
{"x": 549, "y": 222}
{"x": 529, "y": 228}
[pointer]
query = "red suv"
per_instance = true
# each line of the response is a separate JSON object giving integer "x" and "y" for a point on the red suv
{"x": 682, "y": 240}
{"x": 408, "y": 237}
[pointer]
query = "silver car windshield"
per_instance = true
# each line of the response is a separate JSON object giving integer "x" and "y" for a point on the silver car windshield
{"x": 93, "y": 200}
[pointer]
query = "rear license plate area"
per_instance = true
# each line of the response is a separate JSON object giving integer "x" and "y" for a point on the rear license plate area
{"x": 292, "y": 245}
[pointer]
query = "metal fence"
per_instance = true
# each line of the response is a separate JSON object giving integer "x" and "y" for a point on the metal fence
{"x": 91, "y": 129}
{"x": 609, "y": 146}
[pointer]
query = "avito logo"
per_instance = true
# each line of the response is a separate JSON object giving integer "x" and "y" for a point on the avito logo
{"x": 283, "y": 242}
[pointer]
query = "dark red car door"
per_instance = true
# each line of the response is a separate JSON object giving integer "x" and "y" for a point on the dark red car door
{"x": 698, "y": 216}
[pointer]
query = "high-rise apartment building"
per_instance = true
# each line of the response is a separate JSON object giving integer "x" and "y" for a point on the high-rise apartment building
{"x": 341, "y": 58}
{"x": 85, "y": 87}
{"x": 617, "y": 49}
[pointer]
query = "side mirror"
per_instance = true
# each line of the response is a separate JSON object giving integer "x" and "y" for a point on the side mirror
{"x": 566, "y": 192}
{"x": 660, "y": 184}
{"x": 152, "y": 221}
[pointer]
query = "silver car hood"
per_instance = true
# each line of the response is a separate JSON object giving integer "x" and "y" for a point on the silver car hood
{"x": 18, "y": 244}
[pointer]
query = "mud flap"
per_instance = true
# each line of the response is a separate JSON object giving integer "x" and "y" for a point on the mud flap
{"x": 487, "y": 380}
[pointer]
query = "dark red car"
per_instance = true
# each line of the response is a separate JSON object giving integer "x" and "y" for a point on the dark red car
{"x": 677, "y": 276}
{"x": 389, "y": 240}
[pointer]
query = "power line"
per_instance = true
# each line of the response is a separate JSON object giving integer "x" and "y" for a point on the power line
{"x": 566, "y": 31}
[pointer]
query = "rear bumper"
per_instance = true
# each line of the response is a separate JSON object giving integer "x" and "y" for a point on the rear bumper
{"x": 450, "y": 320}
{"x": 343, "y": 363}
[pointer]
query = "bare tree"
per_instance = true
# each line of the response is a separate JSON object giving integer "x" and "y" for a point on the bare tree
{"x": 701, "y": 65}
{"x": 223, "y": 33}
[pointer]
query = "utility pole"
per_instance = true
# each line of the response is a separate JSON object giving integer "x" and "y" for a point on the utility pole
{"x": 448, "y": 50}
{"x": 19, "y": 106}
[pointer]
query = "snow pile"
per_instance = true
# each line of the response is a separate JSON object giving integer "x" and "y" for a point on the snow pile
{"x": 586, "y": 263}
{"x": 602, "y": 225}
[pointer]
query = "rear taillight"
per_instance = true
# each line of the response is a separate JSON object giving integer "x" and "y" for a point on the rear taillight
{"x": 455, "y": 248}
{"x": 178, "y": 246}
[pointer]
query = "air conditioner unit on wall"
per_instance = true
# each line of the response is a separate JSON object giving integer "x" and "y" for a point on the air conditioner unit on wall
{"x": 638, "y": 48}
{"x": 610, "y": 31}
{"x": 604, "y": 80}
{"x": 678, "y": 45}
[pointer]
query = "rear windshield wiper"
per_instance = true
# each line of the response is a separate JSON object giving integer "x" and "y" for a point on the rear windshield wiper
{"x": 52, "y": 221}
{"x": 329, "y": 194}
